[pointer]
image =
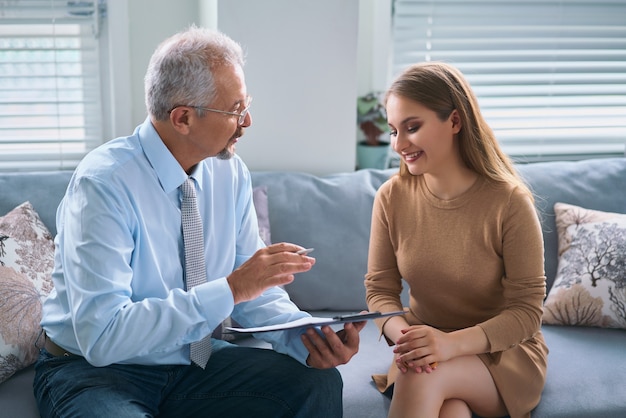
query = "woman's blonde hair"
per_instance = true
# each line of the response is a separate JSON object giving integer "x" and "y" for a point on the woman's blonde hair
{"x": 442, "y": 88}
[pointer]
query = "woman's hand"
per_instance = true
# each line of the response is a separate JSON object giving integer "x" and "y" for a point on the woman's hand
{"x": 420, "y": 348}
{"x": 405, "y": 367}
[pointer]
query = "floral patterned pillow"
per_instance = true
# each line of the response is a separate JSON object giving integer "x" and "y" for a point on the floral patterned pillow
{"x": 590, "y": 285}
{"x": 26, "y": 261}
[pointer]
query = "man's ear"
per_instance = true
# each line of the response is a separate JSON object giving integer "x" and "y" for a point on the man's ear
{"x": 180, "y": 119}
{"x": 455, "y": 118}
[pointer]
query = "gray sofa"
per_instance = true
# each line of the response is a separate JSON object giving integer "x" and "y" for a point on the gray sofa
{"x": 587, "y": 366}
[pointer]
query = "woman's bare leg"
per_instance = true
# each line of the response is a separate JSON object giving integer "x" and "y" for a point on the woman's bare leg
{"x": 463, "y": 378}
{"x": 455, "y": 408}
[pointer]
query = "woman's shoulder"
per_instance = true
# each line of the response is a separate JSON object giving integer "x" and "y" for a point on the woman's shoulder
{"x": 510, "y": 198}
{"x": 506, "y": 190}
{"x": 399, "y": 182}
{"x": 396, "y": 185}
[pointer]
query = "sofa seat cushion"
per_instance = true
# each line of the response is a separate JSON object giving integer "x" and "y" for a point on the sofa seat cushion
{"x": 586, "y": 376}
{"x": 586, "y": 373}
{"x": 16, "y": 395}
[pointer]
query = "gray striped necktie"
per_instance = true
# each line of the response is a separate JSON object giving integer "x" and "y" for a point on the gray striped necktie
{"x": 195, "y": 268}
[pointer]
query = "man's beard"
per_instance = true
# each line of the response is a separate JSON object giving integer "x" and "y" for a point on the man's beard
{"x": 226, "y": 153}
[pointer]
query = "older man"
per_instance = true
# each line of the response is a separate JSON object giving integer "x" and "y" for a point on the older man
{"x": 157, "y": 244}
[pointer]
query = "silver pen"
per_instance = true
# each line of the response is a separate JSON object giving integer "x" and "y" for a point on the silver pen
{"x": 304, "y": 251}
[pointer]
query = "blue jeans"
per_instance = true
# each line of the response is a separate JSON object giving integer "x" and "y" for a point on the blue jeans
{"x": 237, "y": 382}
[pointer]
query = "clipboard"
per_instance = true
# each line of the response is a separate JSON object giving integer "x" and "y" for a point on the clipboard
{"x": 314, "y": 321}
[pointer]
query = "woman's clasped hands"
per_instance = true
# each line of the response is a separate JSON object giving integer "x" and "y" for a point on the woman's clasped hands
{"x": 420, "y": 348}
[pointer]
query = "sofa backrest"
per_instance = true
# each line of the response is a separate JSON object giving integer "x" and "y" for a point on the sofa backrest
{"x": 332, "y": 214}
{"x": 44, "y": 190}
{"x": 598, "y": 184}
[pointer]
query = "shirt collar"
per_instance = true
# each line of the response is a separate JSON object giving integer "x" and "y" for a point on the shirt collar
{"x": 171, "y": 175}
{"x": 198, "y": 174}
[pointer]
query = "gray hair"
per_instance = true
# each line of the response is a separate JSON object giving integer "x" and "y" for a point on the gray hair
{"x": 181, "y": 69}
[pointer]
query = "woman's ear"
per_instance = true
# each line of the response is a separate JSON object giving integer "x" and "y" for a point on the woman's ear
{"x": 455, "y": 118}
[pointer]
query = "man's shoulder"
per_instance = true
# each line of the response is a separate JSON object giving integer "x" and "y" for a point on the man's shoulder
{"x": 108, "y": 159}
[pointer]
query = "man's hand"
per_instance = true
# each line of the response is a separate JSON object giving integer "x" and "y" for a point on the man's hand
{"x": 271, "y": 266}
{"x": 332, "y": 349}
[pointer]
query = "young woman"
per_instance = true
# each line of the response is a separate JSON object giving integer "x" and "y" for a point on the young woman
{"x": 460, "y": 227}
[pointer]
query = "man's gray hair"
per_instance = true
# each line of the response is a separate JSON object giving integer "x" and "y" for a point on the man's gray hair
{"x": 181, "y": 69}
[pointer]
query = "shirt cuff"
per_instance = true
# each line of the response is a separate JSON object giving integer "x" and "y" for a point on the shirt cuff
{"x": 215, "y": 300}
{"x": 298, "y": 350}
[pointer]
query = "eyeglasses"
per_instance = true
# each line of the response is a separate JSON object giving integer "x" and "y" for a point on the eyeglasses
{"x": 241, "y": 116}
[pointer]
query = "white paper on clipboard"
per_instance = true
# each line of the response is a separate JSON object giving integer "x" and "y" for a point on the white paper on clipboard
{"x": 314, "y": 321}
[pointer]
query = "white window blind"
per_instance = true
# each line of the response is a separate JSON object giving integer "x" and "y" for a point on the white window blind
{"x": 550, "y": 75}
{"x": 50, "y": 107}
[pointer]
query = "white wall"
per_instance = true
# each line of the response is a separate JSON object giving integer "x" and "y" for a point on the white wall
{"x": 134, "y": 28}
{"x": 373, "y": 50}
{"x": 304, "y": 62}
{"x": 300, "y": 68}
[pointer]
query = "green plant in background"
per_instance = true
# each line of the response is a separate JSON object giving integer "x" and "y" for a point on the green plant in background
{"x": 372, "y": 118}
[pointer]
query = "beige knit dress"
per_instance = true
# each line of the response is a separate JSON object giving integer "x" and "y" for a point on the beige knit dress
{"x": 473, "y": 260}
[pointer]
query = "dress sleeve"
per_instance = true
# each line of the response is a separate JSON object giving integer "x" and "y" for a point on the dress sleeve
{"x": 383, "y": 283}
{"x": 524, "y": 281}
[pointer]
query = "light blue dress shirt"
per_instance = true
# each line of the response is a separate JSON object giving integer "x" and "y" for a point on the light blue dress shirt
{"x": 119, "y": 294}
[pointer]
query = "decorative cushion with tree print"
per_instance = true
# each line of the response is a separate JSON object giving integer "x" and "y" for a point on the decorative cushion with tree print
{"x": 26, "y": 260}
{"x": 590, "y": 284}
